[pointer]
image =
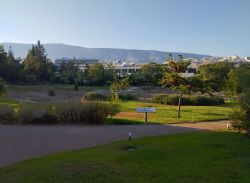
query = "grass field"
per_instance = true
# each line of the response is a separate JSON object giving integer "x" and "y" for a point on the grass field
{"x": 168, "y": 113}
{"x": 190, "y": 157}
{"x": 8, "y": 101}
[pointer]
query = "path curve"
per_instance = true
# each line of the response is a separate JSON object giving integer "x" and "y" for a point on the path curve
{"x": 24, "y": 142}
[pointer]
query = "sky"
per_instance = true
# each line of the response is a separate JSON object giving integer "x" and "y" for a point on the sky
{"x": 213, "y": 27}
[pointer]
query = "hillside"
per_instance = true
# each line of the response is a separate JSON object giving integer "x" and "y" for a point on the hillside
{"x": 62, "y": 50}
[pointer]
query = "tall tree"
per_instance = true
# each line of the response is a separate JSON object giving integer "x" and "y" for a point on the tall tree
{"x": 152, "y": 73}
{"x": 175, "y": 80}
{"x": 96, "y": 74}
{"x": 36, "y": 64}
{"x": 238, "y": 89}
{"x": 215, "y": 75}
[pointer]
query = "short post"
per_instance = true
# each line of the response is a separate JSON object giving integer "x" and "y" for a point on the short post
{"x": 146, "y": 117}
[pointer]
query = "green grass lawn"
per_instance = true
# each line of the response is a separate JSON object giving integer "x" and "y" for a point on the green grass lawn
{"x": 168, "y": 113}
{"x": 8, "y": 101}
{"x": 189, "y": 157}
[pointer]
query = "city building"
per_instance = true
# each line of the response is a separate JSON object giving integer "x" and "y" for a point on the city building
{"x": 79, "y": 62}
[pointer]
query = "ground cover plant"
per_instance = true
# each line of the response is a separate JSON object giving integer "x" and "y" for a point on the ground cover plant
{"x": 190, "y": 157}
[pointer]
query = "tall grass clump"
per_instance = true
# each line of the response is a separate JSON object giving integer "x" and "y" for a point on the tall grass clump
{"x": 85, "y": 112}
{"x": 63, "y": 113}
{"x": 7, "y": 114}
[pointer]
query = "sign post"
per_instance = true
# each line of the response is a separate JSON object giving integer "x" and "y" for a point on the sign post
{"x": 146, "y": 110}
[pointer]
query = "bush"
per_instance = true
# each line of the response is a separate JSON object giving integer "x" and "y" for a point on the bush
{"x": 188, "y": 100}
{"x": 30, "y": 114}
{"x": 51, "y": 93}
{"x": 92, "y": 96}
{"x": 85, "y": 112}
{"x": 7, "y": 114}
{"x": 79, "y": 113}
{"x": 76, "y": 88}
{"x": 127, "y": 96}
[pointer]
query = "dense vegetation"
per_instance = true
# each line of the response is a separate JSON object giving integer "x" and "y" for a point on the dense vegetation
{"x": 192, "y": 157}
{"x": 188, "y": 100}
{"x": 36, "y": 68}
{"x": 61, "y": 113}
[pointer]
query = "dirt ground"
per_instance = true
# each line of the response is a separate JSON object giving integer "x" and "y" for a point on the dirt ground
{"x": 36, "y": 94}
{"x": 211, "y": 125}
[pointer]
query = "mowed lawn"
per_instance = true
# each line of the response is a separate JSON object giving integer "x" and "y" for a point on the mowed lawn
{"x": 189, "y": 157}
{"x": 168, "y": 113}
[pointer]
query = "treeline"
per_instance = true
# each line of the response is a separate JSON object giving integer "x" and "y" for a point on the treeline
{"x": 37, "y": 68}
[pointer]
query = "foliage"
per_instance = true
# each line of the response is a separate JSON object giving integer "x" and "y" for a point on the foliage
{"x": 1, "y": 87}
{"x": 37, "y": 66}
{"x": 238, "y": 89}
{"x": 7, "y": 114}
{"x": 152, "y": 73}
{"x": 116, "y": 86}
{"x": 85, "y": 112}
{"x": 70, "y": 112}
{"x": 175, "y": 80}
{"x": 215, "y": 75}
{"x": 92, "y": 96}
{"x": 51, "y": 93}
{"x": 127, "y": 96}
{"x": 188, "y": 100}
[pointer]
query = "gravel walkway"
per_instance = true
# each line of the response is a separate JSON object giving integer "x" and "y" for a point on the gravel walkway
{"x": 24, "y": 142}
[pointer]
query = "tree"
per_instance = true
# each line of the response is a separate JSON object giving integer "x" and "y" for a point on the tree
{"x": 96, "y": 74}
{"x": 37, "y": 65}
{"x": 14, "y": 67}
{"x": 69, "y": 73}
{"x": 175, "y": 80}
{"x": 3, "y": 62}
{"x": 215, "y": 75}
{"x": 152, "y": 73}
{"x": 238, "y": 89}
{"x": 116, "y": 86}
{"x": 1, "y": 86}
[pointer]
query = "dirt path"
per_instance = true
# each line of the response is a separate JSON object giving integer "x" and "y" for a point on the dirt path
{"x": 24, "y": 142}
{"x": 211, "y": 125}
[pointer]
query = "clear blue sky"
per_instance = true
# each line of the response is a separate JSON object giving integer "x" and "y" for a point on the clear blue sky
{"x": 214, "y": 27}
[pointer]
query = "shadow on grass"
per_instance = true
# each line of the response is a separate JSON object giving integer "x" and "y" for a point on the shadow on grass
{"x": 118, "y": 121}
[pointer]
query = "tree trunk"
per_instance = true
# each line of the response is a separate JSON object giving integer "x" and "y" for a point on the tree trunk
{"x": 179, "y": 106}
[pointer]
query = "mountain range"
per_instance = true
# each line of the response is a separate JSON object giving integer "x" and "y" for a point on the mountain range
{"x": 55, "y": 50}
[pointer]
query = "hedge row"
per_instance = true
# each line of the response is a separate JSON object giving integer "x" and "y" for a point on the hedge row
{"x": 188, "y": 100}
{"x": 93, "y": 96}
{"x": 79, "y": 113}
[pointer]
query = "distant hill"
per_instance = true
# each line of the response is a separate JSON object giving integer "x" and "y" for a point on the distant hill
{"x": 62, "y": 50}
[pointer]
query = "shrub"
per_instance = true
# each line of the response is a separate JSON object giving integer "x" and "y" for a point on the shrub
{"x": 76, "y": 88}
{"x": 85, "y": 112}
{"x": 7, "y": 114}
{"x": 127, "y": 96}
{"x": 51, "y": 93}
{"x": 30, "y": 114}
{"x": 188, "y": 100}
{"x": 92, "y": 96}
{"x": 80, "y": 113}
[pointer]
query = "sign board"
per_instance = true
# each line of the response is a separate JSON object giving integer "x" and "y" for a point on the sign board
{"x": 146, "y": 109}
